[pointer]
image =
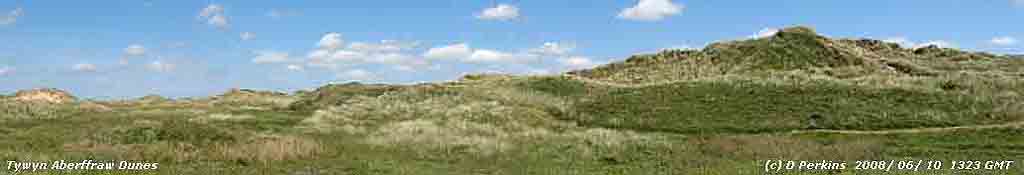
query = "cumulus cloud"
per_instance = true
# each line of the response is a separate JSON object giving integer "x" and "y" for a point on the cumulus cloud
{"x": 455, "y": 51}
{"x": 900, "y": 40}
{"x": 247, "y": 35}
{"x": 936, "y": 43}
{"x": 295, "y": 67}
{"x": 329, "y": 54}
{"x": 211, "y": 10}
{"x": 1004, "y": 41}
{"x": 160, "y": 66}
{"x": 135, "y": 50}
{"x": 462, "y": 52}
{"x": 416, "y": 64}
{"x": 12, "y": 16}
{"x": 904, "y": 42}
{"x": 651, "y": 10}
{"x": 577, "y": 62}
{"x": 552, "y": 48}
{"x": 218, "y": 21}
{"x": 214, "y": 16}
{"x": 319, "y": 53}
{"x": 764, "y": 33}
{"x": 383, "y": 46}
{"x": 356, "y": 74}
{"x": 536, "y": 71}
{"x": 84, "y": 67}
{"x": 391, "y": 58}
{"x": 347, "y": 56}
{"x": 330, "y": 41}
{"x": 332, "y": 59}
{"x": 501, "y": 12}
{"x": 484, "y": 55}
{"x": 267, "y": 56}
{"x": 679, "y": 47}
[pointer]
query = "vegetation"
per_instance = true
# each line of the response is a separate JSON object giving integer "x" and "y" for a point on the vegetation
{"x": 720, "y": 110}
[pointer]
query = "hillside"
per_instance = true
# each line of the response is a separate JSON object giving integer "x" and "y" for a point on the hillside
{"x": 718, "y": 110}
{"x": 800, "y": 49}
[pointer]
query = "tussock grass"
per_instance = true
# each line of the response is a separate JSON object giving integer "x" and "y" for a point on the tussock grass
{"x": 712, "y": 111}
{"x": 267, "y": 149}
{"x": 10, "y": 108}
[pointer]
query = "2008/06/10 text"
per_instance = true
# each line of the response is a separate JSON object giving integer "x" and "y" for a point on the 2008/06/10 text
{"x": 886, "y": 165}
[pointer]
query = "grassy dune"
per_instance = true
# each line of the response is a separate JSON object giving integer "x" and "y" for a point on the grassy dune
{"x": 720, "y": 110}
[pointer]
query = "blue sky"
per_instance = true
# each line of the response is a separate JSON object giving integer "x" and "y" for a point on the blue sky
{"x": 131, "y": 48}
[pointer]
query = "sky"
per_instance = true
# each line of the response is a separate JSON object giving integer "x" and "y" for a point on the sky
{"x": 179, "y": 48}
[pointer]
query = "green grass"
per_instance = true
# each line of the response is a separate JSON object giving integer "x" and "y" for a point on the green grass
{"x": 720, "y": 110}
{"x": 750, "y": 107}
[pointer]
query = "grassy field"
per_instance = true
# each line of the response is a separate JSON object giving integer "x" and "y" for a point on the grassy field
{"x": 722, "y": 110}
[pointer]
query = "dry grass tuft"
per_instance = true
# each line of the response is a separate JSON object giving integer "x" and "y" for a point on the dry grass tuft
{"x": 765, "y": 147}
{"x": 220, "y": 117}
{"x": 468, "y": 136}
{"x": 265, "y": 149}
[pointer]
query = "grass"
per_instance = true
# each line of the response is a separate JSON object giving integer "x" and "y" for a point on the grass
{"x": 468, "y": 130}
{"x": 749, "y": 107}
{"x": 720, "y": 110}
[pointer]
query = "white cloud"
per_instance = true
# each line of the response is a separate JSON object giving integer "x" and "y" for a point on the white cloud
{"x": 214, "y": 16}
{"x": 270, "y": 57}
{"x": 84, "y": 67}
{"x": 937, "y": 43}
{"x": 462, "y": 52}
{"x": 340, "y": 58}
{"x": 218, "y": 21}
{"x": 247, "y": 35}
{"x": 327, "y": 54}
{"x": 455, "y": 51}
{"x": 407, "y": 63}
{"x": 135, "y": 50}
{"x": 764, "y": 33}
{"x": 552, "y": 48}
{"x": 160, "y": 66}
{"x": 211, "y": 10}
{"x": 901, "y": 41}
{"x": 330, "y": 41}
{"x": 651, "y": 10}
{"x": 332, "y": 59}
{"x": 500, "y": 12}
{"x": 295, "y": 67}
{"x": 1004, "y": 41}
{"x": 577, "y": 62}
{"x": 356, "y": 74}
{"x": 483, "y": 55}
{"x": 679, "y": 47}
{"x": 12, "y": 17}
{"x": 539, "y": 72}
{"x": 904, "y": 42}
{"x": 319, "y": 53}
{"x": 417, "y": 65}
{"x": 391, "y": 58}
{"x": 5, "y": 70}
{"x": 383, "y": 46}
{"x": 347, "y": 56}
